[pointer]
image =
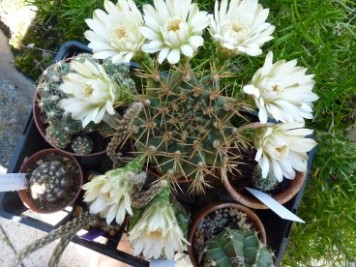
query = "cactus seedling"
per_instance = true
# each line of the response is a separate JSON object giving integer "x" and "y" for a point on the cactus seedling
{"x": 82, "y": 145}
{"x": 264, "y": 184}
{"x": 237, "y": 248}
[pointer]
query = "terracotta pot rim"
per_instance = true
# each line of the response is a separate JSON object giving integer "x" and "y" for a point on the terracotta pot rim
{"x": 251, "y": 215}
{"x": 245, "y": 198}
{"x": 38, "y": 155}
{"x": 41, "y": 129}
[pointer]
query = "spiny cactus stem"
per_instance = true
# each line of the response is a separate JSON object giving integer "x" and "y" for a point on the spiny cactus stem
{"x": 141, "y": 198}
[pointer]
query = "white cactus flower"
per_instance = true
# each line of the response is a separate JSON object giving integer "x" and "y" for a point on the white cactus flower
{"x": 90, "y": 92}
{"x": 173, "y": 27}
{"x": 240, "y": 26}
{"x": 109, "y": 195}
{"x": 283, "y": 91}
{"x": 157, "y": 233}
{"x": 282, "y": 150}
{"x": 116, "y": 33}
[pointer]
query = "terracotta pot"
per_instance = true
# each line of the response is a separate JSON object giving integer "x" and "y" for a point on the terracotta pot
{"x": 252, "y": 217}
{"x": 32, "y": 162}
{"x": 245, "y": 198}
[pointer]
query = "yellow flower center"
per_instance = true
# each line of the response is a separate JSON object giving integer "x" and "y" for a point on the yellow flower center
{"x": 237, "y": 28}
{"x": 88, "y": 90}
{"x": 276, "y": 88}
{"x": 282, "y": 150}
{"x": 119, "y": 33}
{"x": 173, "y": 25}
{"x": 157, "y": 234}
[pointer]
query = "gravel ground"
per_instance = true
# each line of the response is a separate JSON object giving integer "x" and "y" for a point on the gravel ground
{"x": 16, "y": 94}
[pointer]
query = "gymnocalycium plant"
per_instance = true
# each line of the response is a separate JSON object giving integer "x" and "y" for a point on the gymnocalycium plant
{"x": 237, "y": 248}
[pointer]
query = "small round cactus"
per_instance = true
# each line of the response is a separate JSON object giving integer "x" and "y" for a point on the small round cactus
{"x": 82, "y": 145}
{"x": 264, "y": 184}
{"x": 51, "y": 184}
{"x": 58, "y": 136}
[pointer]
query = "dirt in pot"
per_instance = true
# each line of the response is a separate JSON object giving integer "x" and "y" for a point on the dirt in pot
{"x": 54, "y": 182}
{"x": 213, "y": 224}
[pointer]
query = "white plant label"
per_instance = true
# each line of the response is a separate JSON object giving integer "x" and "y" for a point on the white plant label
{"x": 162, "y": 263}
{"x": 275, "y": 206}
{"x": 13, "y": 182}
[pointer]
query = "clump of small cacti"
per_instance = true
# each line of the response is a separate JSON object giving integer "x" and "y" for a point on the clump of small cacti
{"x": 52, "y": 185}
{"x": 237, "y": 248}
{"x": 264, "y": 184}
{"x": 185, "y": 127}
{"x": 82, "y": 145}
{"x": 62, "y": 127}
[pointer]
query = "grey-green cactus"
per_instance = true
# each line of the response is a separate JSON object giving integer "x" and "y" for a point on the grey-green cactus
{"x": 50, "y": 95}
{"x": 185, "y": 128}
{"x": 237, "y": 248}
{"x": 51, "y": 185}
{"x": 120, "y": 72}
{"x": 82, "y": 145}
{"x": 264, "y": 184}
{"x": 57, "y": 136}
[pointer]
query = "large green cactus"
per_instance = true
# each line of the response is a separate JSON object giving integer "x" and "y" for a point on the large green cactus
{"x": 185, "y": 127}
{"x": 237, "y": 248}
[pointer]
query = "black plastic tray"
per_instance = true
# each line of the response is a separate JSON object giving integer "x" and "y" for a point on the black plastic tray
{"x": 11, "y": 207}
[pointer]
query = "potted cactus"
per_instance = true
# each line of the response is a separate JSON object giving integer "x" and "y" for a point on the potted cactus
{"x": 228, "y": 234}
{"x": 54, "y": 181}
{"x": 56, "y": 112}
